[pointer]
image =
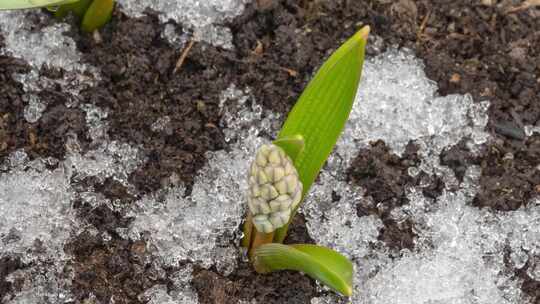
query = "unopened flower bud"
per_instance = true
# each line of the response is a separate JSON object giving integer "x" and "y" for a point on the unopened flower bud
{"x": 274, "y": 188}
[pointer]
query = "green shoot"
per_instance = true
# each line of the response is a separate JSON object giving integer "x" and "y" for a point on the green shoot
{"x": 283, "y": 172}
{"x": 322, "y": 110}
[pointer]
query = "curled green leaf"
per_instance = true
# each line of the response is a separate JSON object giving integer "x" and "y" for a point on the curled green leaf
{"x": 321, "y": 263}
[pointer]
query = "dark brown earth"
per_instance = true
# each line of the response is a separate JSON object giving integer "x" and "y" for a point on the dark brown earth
{"x": 278, "y": 45}
{"x": 7, "y": 266}
{"x": 45, "y": 137}
{"x": 139, "y": 87}
{"x": 385, "y": 178}
{"x": 245, "y": 284}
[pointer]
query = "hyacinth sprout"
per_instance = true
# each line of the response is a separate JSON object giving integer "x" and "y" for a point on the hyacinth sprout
{"x": 274, "y": 188}
{"x": 92, "y": 14}
{"x": 282, "y": 172}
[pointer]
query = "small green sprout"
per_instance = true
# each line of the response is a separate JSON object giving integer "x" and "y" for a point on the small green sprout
{"x": 282, "y": 172}
{"x": 93, "y": 14}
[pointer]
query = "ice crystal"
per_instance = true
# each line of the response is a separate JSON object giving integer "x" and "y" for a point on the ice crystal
{"x": 460, "y": 254}
{"x": 34, "y": 204}
{"x": 170, "y": 34}
{"x": 204, "y": 17}
{"x": 459, "y": 257}
{"x": 34, "y": 108}
{"x": 108, "y": 158}
{"x": 46, "y": 46}
{"x": 161, "y": 124}
{"x": 530, "y": 130}
{"x": 43, "y": 283}
{"x": 179, "y": 292}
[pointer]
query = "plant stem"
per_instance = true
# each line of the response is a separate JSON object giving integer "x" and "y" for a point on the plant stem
{"x": 260, "y": 238}
{"x": 253, "y": 238}
{"x": 248, "y": 230}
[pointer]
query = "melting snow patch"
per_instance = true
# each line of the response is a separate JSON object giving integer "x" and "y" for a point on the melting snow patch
{"x": 47, "y": 46}
{"x": 36, "y": 220}
{"x": 204, "y": 17}
{"x": 44, "y": 47}
{"x": 397, "y": 103}
{"x": 203, "y": 227}
{"x": 459, "y": 252}
{"x": 180, "y": 290}
{"x": 36, "y": 214}
{"x": 35, "y": 204}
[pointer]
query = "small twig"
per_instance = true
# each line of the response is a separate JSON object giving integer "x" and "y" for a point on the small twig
{"x": 182, "y": 58}
{"x": 291, "y": 72}
{"x": 525, "y": 5}
{"x": 423, "y": 26}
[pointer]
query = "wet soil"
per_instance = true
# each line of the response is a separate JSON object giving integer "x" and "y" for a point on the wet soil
{"x": 278, "y": 46}
{"x": 511, "y": 176}
{"x": 245, "y": 284}
{"x": 139, "y": 87}
{"x": 451, "y": 38}
{"x": 45, "y": 137}
{"x": 7, "y": 266}
{"x": 385, "y": 178}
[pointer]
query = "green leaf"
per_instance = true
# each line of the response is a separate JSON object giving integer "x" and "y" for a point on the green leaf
{"x": 292, "y": 145}
{"x": 21, "y": 4}
{"x": 97, "y": 15}
{"x": 323, "y": 108}
{"x": 78, "y": 9}
{"x": 321, "y": 263}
